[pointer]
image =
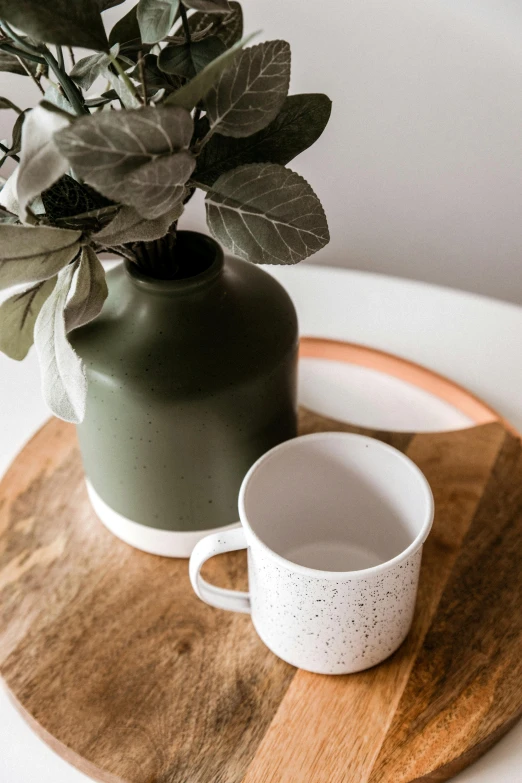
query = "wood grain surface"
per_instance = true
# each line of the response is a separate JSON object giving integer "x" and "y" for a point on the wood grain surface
{"x": 114, "y": 661}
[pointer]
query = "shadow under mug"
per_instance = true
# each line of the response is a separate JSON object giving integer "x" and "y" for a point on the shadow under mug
{"x": 334, "y": 525}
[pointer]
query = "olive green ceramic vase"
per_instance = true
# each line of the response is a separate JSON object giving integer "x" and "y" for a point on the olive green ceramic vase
{"x": 190, "y": 381}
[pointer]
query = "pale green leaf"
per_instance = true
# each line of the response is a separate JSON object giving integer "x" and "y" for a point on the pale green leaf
{"x": 64, "y": 381}
{"x": 126, "y": 95}
{"x": 64, "y": 22}
{"x": 251, "y": 91}
{"x": 195, "y": 90}
{"x": 130, "y": 226}
{"x": 18, "y": 316}
{"x": 86, "y": 71}
{"x": 267, "y": 214}
{"x": 53, "y": 96}
{"x": 155, "y": 18}
{"x": 104, "y": 148}
{"x": 90, "y": 291}
{"x": 41, "y": 162}
{"x": 30, "y": 254}
{"x": 158, "y": 186}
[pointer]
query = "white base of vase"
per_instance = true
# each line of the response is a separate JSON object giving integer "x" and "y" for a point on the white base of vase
{"x": 168, "y": 543}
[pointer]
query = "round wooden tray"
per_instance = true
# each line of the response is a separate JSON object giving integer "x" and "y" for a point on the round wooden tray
{"x": 115, "y": 663}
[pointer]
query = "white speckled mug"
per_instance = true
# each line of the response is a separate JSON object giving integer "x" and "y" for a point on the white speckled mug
{"x": 334, "y": 525}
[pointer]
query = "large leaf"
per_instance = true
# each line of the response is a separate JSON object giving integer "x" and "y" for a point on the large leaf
{"x": 298, "y": 125}
{"x": 106, "y": 147}
{"x": 90, "y": 291}
{"x": 11, "y": 64}
{"x": 208, "y": 6}
{"x": 129, "y": 226}
{"x": 158, "y": 186}
{"x": 155, "y": 18}
{"x": 250, "y": 93}
{"x": 267, "y": 214}
{"x": 65, "y": 22}
{"x": 41, "y": 162}
{"x": 195, "y": 90}
{"x": 17, "y": 318}
{"x": 30, "y": 254}
{"x": 189, "y": 59}
{"x": 63, "y": 376}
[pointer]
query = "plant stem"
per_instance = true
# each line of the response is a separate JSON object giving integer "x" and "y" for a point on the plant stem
{"x": 184, "y": 21}
{"x": 19, "y": 40}
{"x": 68, "y": 86}
{"x": 59, "y": 57}
{"x": 7, "y": 150}
{"x": 30, "y": 73}
{"x": 128, "y": 83}
{"x": 7, "y": 47}
{"x": 141, "y": 68}
{"x": 71, "y": 55}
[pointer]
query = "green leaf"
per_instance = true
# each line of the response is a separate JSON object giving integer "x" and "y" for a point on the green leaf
{"x": 191, "y": 93}
{"x": 155, "y": 18}
{"x": 158, "y": 186}
{"x": 90, "y": 291}
{"x": 189, "y": 59}
{"x": 63, "y": 375}
{"x": 30, "y": 254}
{"x": 155, "y": 79}
{"x": 298, "y": 125}
{"x": 64, "y": 22}
{"x": 250, "y": 93}
{"x": 105, "y": 4}
{"x": 267, "y": 214}
{"x": 208, "y": 6}
{"x": 126, "y": 30}
{"x": 87, "y": 70}
{"x": 53, "y": 96}
{"x": 68, "y": 199}
{"x": 5, "y": 103}
{"x": 123, "y": 89}
{"x": 106, "y": 147}
{"x": 130, "y": 226}
{"x": 11, "y": 64}
{"x": 41, "y": 162}
{"x": 18, "y": 316}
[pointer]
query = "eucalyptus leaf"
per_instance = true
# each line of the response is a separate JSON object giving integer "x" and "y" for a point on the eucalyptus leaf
{"x": 41, "y": 162}
{"x": 195, "y": 90}
{"x": 30, "y": 254}
{"x": 298, "y": 125}
{"x": 251, "y": 91}
{"x": 64, "y": 22}
{"x": 189, "y": 59}
{"x": 64, "y": 382}
{"x": 130, "y": 226}
{"x": 158, "y": 186}
{"x": 267, "y": 214}
{"x": 56, "y": 98}
{"x": 121, "y": 88}
{"x": 208, "y": 6}
{"x": 5, "y": 103}
{"x": 11, "y": 64}
{"x": 18, "y": 316}
{"x": 106, "y": 147}
{"x": 155, "y": 18}
{"x": 86, "y": 71}
{"x": 90, "y": 291}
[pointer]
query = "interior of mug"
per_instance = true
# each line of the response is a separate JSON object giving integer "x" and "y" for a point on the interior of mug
{"x": 336, "y": 502}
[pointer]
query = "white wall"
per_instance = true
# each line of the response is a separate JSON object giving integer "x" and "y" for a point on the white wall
{"x": 420, "y": 169}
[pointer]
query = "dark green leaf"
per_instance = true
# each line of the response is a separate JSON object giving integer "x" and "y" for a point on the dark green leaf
{"x": 91, "y": 221}
{"x": 126, "y": 33}
{"x": 298, "y": 125}
{"x": 250, "y": 92}
{"x": 195, "y": 90}
{"x": 5, "y": 103}
{"x": 158, "y": 186}
{"x": 102, "y": 100}
{"x": 67, "y": 198}
{"x": 65, "y": 22}
{"x": 11, "y": 64}
{"x": 189, "y": 59}
{"x": 266, "y": 214}
{"x": 106, "y": 147}
{"x": 155, "y": 79}
{"x": 18, "y": 316}
{"x": 208, "y": 6}
{"x": 155, "y": 18}
{"x": 105, "y": 4}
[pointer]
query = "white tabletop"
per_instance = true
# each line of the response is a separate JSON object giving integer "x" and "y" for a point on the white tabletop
{"x": 472, "y": 339}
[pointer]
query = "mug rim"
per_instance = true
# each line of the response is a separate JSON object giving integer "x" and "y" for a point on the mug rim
{"x": 363, "y": 573}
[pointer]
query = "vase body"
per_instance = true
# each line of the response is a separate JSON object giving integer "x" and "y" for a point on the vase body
{"x": 189, "y": 382}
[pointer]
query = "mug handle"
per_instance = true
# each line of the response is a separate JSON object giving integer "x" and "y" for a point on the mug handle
{"x": 217, "y": 544}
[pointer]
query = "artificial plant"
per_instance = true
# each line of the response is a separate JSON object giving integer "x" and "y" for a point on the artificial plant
{"x": 184, "y": 104}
